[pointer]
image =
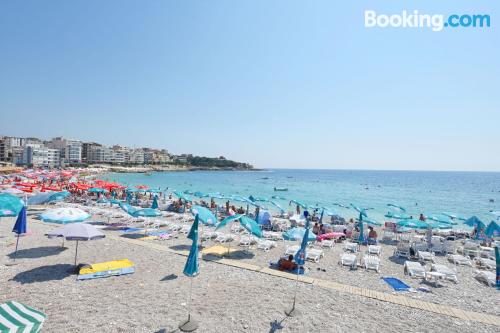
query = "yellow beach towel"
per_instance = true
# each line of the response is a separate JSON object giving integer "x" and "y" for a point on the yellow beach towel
{"x": 106, "y": 266}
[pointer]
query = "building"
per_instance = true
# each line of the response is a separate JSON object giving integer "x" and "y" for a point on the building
{"x": 100, "y": 154}
{"x": 86, "y": 148}
{"x": 136, "y": 156}
{"x": 7, "y": 145}
{"x": 39, "y": 156}
{"x": 70, "y": 150}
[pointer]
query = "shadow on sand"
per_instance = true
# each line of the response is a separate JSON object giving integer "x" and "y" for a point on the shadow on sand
{"x": 169, "y": 277}
{"x": 235, "y": 255}
{"x": 44, "y": 273}
{"x": 37, "y": 252}
{"x": 181, "y": 247}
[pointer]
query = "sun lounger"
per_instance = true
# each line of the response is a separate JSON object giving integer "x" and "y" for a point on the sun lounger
{"x": 402, "y": 250}
{"x": 353, "y": 247}
{"x": 448, "y": 272}
{"x": 292, "y": 250}
{"x": 348, "y": 259}
{"x": 374, "y": 249}
{"x": 414, "y": 269}
{"x": 486, "y": 277}
{"x": 327, "y": 243}
{"x": 388, "y": 235}
{"x": 486, "y": 263}
{"x": 371, "y": 262}
{"x": 458, "y": 259}
{"x": 223, "y": 238}
{"x": 246, "y": 241}
{"x": 17, "y": 317}
{"x": 185, "y": 229}
{"x": 207, "y": 235}
{"x": 314, "y": 254}
{"x": 106, "y": 269}
{"x": 425, "y": 256}
{"x": 265, "y": 245}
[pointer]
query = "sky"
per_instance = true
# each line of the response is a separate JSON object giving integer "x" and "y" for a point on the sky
{"x": 283, "y": 84}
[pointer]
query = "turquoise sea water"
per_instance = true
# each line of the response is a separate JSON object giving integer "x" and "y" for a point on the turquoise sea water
{"x": 466, "y": 193}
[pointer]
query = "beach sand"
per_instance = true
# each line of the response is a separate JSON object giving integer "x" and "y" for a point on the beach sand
{"x": 224, "y": 298}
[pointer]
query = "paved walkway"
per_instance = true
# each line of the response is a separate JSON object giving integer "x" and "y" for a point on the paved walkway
{"x": 380, "y": 296}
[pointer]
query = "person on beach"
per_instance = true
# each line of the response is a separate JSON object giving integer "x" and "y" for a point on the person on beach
{"x": 227, "y": 207}
{"x": 298, "y": 210}
{"x": 372, "y": 236}
{"x": 241, "y": 210}
{"x": 422, "y": 218}
{"x": 316, "y": 229}
{"x": 287, "y": 264}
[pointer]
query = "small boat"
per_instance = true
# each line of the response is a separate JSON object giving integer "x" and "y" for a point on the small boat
{"x": 265, "y": 178}
{"x": 282, "y": 189}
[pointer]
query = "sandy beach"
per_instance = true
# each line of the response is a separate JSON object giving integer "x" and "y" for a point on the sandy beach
{"x": 225, "y": 298}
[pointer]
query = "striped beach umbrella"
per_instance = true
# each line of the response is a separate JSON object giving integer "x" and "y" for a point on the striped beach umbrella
{"x": 17, "y": 317}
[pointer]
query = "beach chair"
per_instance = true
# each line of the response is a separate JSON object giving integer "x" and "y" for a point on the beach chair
{"x": 425, "y": 256}
{"x": 486, "y": 263}
{"x": 348, "y": 259}
{"x": 458, "y": 259}
{"x": 208, "y": 235}
{"x": 374, "y": 249}
{"x": 448, "y": 247}
{"x": 471, "y": 249}
{"x": 223, "y": 238}
{"x": 449, "y": 273}
{"x": 246, "y": 241}
{"x": 352, "y": 247}
{"x": 437, "y": 247}
{"x": 371, "y": 262}
{"x": 486, "y": 277}
{"x": 414, "y": 269}
{"x": 292, "y": 250}
{"x": 327, "y": 243}
{"x": 185, "y": 229}
{"x": 314, "y": 254}
{"x": 17, "y": 317}
{"x": 402, "y": 250}
{"x": 265, "y": 245}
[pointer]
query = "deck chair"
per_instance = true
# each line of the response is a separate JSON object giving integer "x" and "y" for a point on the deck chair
{"x": 246, "y": 241}
{"x": 425, "y": 256}
{"x": 371, "y": 262}
{"x": 352, "y": 247}
{"x": 223, "y": 238}
{"x": 314, "y": 254}
{"x": 374, "y": 249}
{"x": 265, "y": 245}
{"x": 348, "y": 259}
{"x": 292, "y": 250}
{"x": 486, "y": 263}
{"x": 486, "y": 277}
{"x": 458, "y": 259}
{"x": 327, "y": 243}
{"x": 402, "y": 250}
{"x": 414, "y": 269}
{"x": 449, "y": 273}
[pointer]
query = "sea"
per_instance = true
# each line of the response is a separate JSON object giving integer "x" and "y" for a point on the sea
{"x": 428, "y": 192}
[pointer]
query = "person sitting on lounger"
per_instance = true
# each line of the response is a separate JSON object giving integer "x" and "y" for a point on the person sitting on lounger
{"x": 316, "y": 229}
{"x": 287, "y": 264}
{"x": 372, "y": 236}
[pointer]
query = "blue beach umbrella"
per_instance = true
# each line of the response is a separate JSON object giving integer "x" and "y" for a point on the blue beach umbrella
{"x": 188, "y": 192}
{"x": 298, "y": 233}
{"x": 361, "y": 238}
{"x": 251, "y": 226}
{"x": 146, "y": 212}
{"x": 396, "y": 207}
{"x": 192, "y": 266}
{"x": 278, "y": 197}
{"x": 199, "y": 194}
{"x": 441, "y": 218}
{"x": 417, "y": 224}
{"x": 64, "y": 215}
{"x": 492, "y": 230}
{"x": 274, "y": 203}
{"x": 340, "y": 205}
{"x": 20, "y": 227}
{"x": 497, "y": 259}
{"x": 96, "y": 190}
{"x": 204, "y": 214}
{"x": 300, "y": 256}
{"x": 154, "y": 205}
{"x": 298, "y": 203}
{"x": 182, "y": 196}
{"x": 10, "y": 205}
{"x": 228, "y": 220}
{"x": 474, "y": 222}
{"x": 454, "y": 216}
{"x": 371, "y": 221}
{"x": 397, "y": 216}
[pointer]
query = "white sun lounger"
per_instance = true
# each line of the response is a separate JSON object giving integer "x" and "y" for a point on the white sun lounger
{"x": 448, "y": 272}
{"x": 486, "y": 263}
{"x": 207, "y": 235}
{"x": 348, "y": 259}
{"x": 314, "y": 254}
{"x": 353, "y": 247}
{"x": 402, "y": 250}
{"x": 458, "y": 259}
{"x": 371, "y": 262}
{"x": 246, "y": 241}
{"x": 223, "y": 238}
{"x": 292, "y": 250}
{"x": 265, "y": 245}
{"x": 486, "y": 277}
{"x": 327, "y": 243}
{"x": 425, "y": 256}
{"x": 414, "y": 269}
{"x": 185, "y": 229}
{"x": 374, "y": 249}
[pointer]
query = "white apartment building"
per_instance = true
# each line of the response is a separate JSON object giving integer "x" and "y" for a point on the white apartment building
{"x": 40, "y": 156}
{"x": 70, "y": 150}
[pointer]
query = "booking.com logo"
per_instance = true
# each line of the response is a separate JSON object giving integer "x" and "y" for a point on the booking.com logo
{"x": 436, "y": 22}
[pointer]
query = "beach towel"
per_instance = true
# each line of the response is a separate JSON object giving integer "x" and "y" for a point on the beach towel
{"x": 397, "y": 284}
{"x": 299, "y": 270}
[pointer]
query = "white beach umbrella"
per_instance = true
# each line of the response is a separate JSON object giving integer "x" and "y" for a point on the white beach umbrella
{"x": 64, "y": 215}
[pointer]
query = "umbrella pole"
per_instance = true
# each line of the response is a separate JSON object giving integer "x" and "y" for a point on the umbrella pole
{"x": 293, "y": 311}
{"x": 17, "y": 243}
{"x": 190, "y": 325}
{"x": 76, "y": 251}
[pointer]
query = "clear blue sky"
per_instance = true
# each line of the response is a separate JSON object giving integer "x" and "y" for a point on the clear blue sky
{"x": 293, "y": 84}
